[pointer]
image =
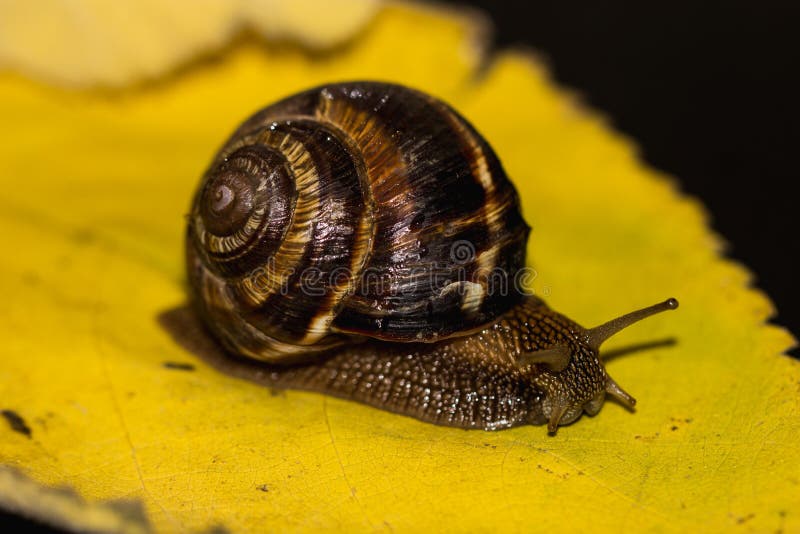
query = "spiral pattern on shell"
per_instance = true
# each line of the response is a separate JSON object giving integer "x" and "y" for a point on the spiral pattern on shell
{"x": 353, "y": 210}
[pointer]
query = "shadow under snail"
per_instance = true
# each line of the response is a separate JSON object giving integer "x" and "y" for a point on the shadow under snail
{"x": 363, "y": 239}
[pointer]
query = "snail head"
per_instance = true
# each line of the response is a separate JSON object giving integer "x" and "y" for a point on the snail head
{"x": 575, "y": 380}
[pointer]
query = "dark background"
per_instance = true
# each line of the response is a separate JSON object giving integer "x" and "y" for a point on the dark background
{"x": 708, "y": 91}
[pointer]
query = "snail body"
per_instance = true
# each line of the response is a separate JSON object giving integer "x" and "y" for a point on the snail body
{"x": 364, "y": 240}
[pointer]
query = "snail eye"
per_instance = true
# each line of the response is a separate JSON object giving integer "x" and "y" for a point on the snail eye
{"x": 226, "y": 202}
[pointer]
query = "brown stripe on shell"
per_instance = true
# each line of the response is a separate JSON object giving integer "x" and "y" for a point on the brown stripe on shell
{"x": 500, "y": 210}
{"x": 426, "y": 199}
{"x": 337, "y": 246}
{"x": 241, "y": 248}
{"x": 221, "y": 314}
{"x": 256, "y": 287}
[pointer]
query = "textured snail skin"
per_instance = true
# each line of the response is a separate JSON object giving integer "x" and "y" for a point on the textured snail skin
{"x": 474, "y": 381}
{"x": 412, "y": 234}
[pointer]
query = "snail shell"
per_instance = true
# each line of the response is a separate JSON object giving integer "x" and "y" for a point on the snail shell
{"x": 369, "y": 232}
{"x": 353, "y": 209}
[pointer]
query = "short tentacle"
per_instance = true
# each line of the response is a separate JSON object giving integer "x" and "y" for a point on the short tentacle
{"x": 620, "y": 394}
{"x": 558, "y": 411}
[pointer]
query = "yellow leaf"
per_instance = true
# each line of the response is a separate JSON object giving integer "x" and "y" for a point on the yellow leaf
{"x": 93, "y": 42}
{"x": 94, "y": 188}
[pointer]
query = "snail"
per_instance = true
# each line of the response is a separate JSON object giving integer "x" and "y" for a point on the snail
{"x": 363, "y": 240}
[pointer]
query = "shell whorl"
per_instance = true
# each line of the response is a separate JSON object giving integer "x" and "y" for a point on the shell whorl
{"x": 354, "y": 209}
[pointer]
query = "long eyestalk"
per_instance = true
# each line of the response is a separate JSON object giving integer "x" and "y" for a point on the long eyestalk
{"x": 599, "y": 334}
